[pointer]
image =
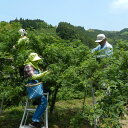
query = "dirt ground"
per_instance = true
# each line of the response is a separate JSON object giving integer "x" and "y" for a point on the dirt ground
{"x": 124, "y": 122}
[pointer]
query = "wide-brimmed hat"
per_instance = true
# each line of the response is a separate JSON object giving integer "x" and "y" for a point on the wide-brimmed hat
{"x": 100, "y": 38}
{"x": 33, "y": 57}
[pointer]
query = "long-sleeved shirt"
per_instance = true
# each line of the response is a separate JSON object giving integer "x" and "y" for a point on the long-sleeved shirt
{"x": 104, "y": 51}
{"x": 23, "y": 43}
{"x": 31, "y": 72}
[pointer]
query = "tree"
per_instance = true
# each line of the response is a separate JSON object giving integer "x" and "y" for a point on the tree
{"x": 66, "y": 31}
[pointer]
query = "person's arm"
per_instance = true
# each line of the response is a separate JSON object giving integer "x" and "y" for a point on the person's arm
{"x": 39, "y": 76}
{"x": 107, "y": 52}
{"x": 95, "y": 49}
{"x": 29, "y": 71}
{"x": 22, "y": 42}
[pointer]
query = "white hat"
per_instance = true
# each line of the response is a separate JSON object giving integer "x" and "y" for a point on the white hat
{"x": 100, "y": 38}
{"x": 22, "y": 32}
{"x": 33, "y": 57}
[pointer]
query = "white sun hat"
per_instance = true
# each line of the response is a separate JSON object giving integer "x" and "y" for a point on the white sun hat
{"x": 100, "y": 38}
{"x": 22, "y": 32}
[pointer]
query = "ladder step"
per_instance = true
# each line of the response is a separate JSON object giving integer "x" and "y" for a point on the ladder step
{"x": 27, "y": 126}
{"x": 30, "y": 109}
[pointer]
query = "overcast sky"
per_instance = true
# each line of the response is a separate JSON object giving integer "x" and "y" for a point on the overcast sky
{"x": 90, "y": 14}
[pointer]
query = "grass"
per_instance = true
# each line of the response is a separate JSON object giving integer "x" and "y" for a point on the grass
{"x": 10, "y": 118}
{"x": 63, "y": 113}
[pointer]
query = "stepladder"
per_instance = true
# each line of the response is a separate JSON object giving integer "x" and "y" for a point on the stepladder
{"x": 29, "y": 109}
{"x": 1, "y": 105}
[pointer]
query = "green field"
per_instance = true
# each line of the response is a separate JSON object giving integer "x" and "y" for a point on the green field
{"x": 61, "y": 118}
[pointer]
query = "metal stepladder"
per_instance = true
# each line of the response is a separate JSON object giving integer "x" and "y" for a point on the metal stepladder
{"x": 28, "y": 109}
{"x": 1, "y": 105}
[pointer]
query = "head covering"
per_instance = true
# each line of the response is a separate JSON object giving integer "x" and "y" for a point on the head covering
{"x": 22, "y": 32}
{"x": 32, "y": 58}
{"x": 100, "y": 38}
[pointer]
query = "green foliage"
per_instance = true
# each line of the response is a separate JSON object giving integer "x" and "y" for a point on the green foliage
{"x": 32, "y": 24}
{"x": 77, "y": 121}
{"x": 69, "y": 32}
{"x": 66, "y": 31}
{"x": 74, "y": 70}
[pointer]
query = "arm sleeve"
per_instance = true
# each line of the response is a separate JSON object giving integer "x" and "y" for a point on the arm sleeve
{"x": 22, "y": 42}
{"x": 107, "y": 52}
{"x": 28, "y": 71}
{"x": 95, "y": 49}
{"x": 39, "y": 76}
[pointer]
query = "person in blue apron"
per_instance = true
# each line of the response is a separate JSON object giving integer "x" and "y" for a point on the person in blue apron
{"x": 33, "y": 74}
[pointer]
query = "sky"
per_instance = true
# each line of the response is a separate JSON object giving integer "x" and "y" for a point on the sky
{"x": 90, "y": 14}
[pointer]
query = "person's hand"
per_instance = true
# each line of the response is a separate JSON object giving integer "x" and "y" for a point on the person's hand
{"x": 14, "y": 47}
{"x": 49, "y": 71}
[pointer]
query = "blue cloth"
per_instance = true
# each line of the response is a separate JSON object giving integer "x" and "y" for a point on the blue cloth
{"x": 104, "y": 51}
{"x": 42, "y": 105}
{"x": 34, "y": 91}
{"x": 40, "y": 109}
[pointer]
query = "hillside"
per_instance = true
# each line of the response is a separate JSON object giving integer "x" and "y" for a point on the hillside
{"x": 69, "y": 32}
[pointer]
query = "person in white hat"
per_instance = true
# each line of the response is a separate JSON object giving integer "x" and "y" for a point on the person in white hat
{"x": 105, "y": 49}
{"x": 24, "y": 40}
{"x": 22, "y": 32}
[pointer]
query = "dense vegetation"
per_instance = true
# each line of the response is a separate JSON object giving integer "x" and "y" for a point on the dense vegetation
{"x": 66, "y": 51}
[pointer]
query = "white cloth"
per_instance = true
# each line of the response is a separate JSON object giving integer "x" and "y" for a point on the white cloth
{"x": 104, "y": 51}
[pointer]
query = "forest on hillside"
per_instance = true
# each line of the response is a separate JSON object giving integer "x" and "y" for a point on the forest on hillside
{"x": 66, "y": 50}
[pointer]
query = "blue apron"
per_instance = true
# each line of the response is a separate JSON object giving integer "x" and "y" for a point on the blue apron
{"x": 34, "y": 91}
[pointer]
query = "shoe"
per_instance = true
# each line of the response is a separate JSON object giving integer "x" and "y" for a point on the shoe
{"x": 35, "y": 124}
